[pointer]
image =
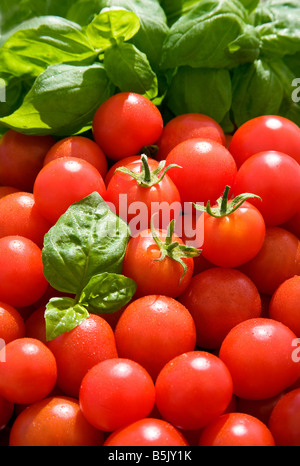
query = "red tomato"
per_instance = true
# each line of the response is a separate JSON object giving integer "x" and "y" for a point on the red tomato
{"x": 236, "y": 430}
{"x": 278, "y": 185}
{"x": 28, "y": 371}
{"x": 293, "y": 225}
{"x": 193, "y": 389}
{"x": 147, "y": 432}
{"x": 261, "y": 409}
{"x": 218, "y": 299}
{"x": 81, "y": 147}
{"x": 120, "y": 163}
{"x": 188, "y": 126}
{"x": 88, "y": 344}
{"x": 12, "y": 325}
{"x": 21, "y": 158}
{"x": 5, "y": 190}
{"x": 271, "y": 367}
{"x": 22, "y": 281}
{"x": 206, "y": 168}
{"x": 264, "y": 133}
{"x": 284, "y": 305}
{"x": 115, "y": 393}
{"x": 54, "y": 422}
{"x": 20, "y": 216}
{"x": 62, "y": 182}
{"x": 125, "y": 123}
{"x": 284, "y": 422}
{"x": 154, "y": 329}
{"x": 35, "y": 325}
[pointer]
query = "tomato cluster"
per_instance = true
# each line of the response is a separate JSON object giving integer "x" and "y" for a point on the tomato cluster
{"x": 207, "y": 351}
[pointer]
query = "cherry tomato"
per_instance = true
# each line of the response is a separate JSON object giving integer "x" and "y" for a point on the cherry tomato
{"x": 271, "y": 367}
{"x": 278, "y": 185}
{"x": 284, "y": 422}
{"x": 54, "y": 422}
{"x": 6, "y": 412}
{"x": 22, "y": 281}
{"x": 188, "y": 126}
{"x": 35, "y": 325}
{"x": 147, "y": 432}
{"x": 218, "y": 299}
{"x": 20, "y": 216}
{"x": 284, "y": 305}
{"x": 236, "y": 430}
{"x": 261, "y": 409}
{"x": 206, "y": 168}
{"x": 193, "y": 389}
{"x": 264, "y": 133}
{"x": 5, "y": 190}
{"x": 293, "y": 224}
{"x": 28, "y": 371}
{"x": 62, "y": 182}
{"x": 115, "y": 393}
{"x": 88, "y": 344}
{"x": 154, "y": 329}
{"x": 81, "y": 147}
{"x": 12, "y": 325}
{"x": 21, "y": 158}
{"x": 125, "y": 123}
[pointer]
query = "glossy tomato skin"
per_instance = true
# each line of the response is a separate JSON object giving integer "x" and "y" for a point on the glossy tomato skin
{"x": 284, "y": 422}
{"x": 206, "y": 168}
{"x": 88, "y": 344}
{"x": 188, "y": 126}
{"x": 152, "y": 330}
{"x": 115, "y": 393}
{"x": 28, "y": 371}
{"x": 236, "y": 430}
{"x": 284, "y": 305}
{"x": 62, "y": 182}
{"x": 22, "y": 281}
{"x": 54, "y": 421}
{"x": 21, "y": 158}
{"x": 125, "y": 123}
{"x": 235, "y": 239}
{"x": 147, "y": 432}
{"x": 218, "y": 299}
{"x": 12, "y": 325}
{"x": 193, "y": 389}
{"x": 81, "y": 147}
{"x": 264, "y": 133}
{"x": 271, "y": 367}
{"x": 278, "y": 185}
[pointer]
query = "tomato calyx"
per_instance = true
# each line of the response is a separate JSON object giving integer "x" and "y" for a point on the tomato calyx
{"x": 147, "y": 177}
{"x": 173, "y": 249}
{"x": 224, "y": 206}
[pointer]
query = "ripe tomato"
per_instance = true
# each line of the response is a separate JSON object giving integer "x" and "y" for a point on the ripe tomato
{"x": 218, "y": 299}
{"x": 62, "y": 182}
{"x": 21, "y": 158}
{"x": 12, "y": 325}
{"x": 81, "y": 147}
{"x": 264, "y": 133}
{"x": 88, "y": 344}
{"x": 54, "y": 422}
{"x": 20, "y": 216}
{"x": 115, "y": 393}
{"x": 293, "y": 225}
{"x": 278, "y": 185}
{"x": 261, "y": 409}
{"x": 193, "y": 389}
{"x": 28, "y": 371}
{"x": 236, "y": 430}
{"x": 35, "y": 325}
{"x": 284, "y": 422}
{"x": 188, "y": 126}
{"x": 206, "y": 168}
{"x": 22, "y": 281}
{"x": 125, "y": 123}
{"x": 284, "y": 305}
{"x": 147, "y": 432}
{"x": 270, "y": 369}
{"x": 6, "y": 412}
{"x": 154, "y": 329}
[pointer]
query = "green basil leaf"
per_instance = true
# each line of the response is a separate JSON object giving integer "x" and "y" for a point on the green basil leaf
{"x": 129, "y": 69}
{"x": 107, "y": 292}
{"x": 174, "y": 9}
{"x": 87, "y": 240}
{"x": 63, "y": 315}
{"x": 62, "y": 100}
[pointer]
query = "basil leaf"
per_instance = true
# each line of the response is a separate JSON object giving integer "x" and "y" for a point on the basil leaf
{"x": 174, "y": 9}
{"x": 129, "y": 69}
{"x": 63, "y": 315}
{"x": 87, "y": 240}
{"x": 107, "y": 292}
{"x": 62, "y": 100}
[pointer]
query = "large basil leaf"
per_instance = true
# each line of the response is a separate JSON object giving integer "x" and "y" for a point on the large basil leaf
{"x": 62, "y": 100}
